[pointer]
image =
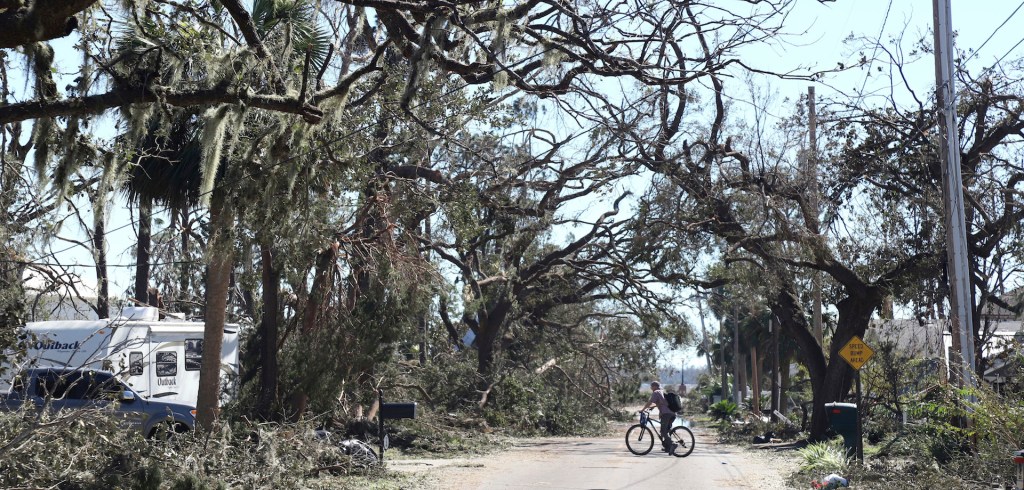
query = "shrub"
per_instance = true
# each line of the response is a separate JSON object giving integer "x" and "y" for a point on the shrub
{"x": 824, "y": 457}
{"x": 724, "y": 410}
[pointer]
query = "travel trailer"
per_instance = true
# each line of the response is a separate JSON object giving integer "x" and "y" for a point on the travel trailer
{"x": 157, "y": 359}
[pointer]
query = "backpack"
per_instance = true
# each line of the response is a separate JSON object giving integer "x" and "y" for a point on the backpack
{"x": 675, "y": 404}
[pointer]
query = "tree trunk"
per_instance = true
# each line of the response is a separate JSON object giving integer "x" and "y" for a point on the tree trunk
{"x": 706, "y": 340}
{"x": 776, "y": 393}
{"x": 424, "y": 325}
{"x": 12, "y": 292}
{"x": 744, "y": 381}
{"x": 485, "y": 340}
{"x": 755, "y": 382}
{"x": 792, "y": 318}
{"x": 488, "y": 332}
{"x": 142, "y": 251}
{"x": 737, "y": 378}
{"x": 323, "y": 285}
{"x": 99, "y": 250}
{"x": 421, "y": 330}
{"x": 268, "y": 335}
{"x": 829, "y": 382}
{"x": 854, "y": 315}
{"x": 784, "y": 384}
{"x": 186, "y": 235}
{"x": 724, "y": 371}
{"x": 218, "y": 281}
{"x": 12, "y": 260}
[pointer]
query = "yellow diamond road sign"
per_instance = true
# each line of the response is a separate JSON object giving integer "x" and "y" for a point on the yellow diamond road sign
{"x": 856, "y": 352}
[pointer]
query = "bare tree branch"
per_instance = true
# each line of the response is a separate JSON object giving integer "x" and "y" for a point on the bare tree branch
{"x": 96, "y": 104}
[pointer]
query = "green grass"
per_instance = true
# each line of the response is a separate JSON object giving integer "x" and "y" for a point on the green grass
{"x": 824, "y": 457}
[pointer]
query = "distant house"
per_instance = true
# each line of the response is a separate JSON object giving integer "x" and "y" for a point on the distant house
{"x": 1002, "y": 333}
{"x": 911, "y": 337}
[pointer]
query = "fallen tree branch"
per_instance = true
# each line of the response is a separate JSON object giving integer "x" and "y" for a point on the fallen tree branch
{"x": 417, "y": 388}
{"x": 581, "y": 390}
{"x": 484, "y": 395}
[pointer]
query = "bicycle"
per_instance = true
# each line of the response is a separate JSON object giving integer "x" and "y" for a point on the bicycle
{"x": 360, "y": 453}
{"x": 640, "y": 437}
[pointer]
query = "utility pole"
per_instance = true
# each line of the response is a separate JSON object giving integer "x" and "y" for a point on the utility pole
{"x": 952, "y": 186}
{"x": 721, "y": 348}
{"x": 736, "y": 357}
{"x": 811, "y": 174}
{"x": 707, "y": 340}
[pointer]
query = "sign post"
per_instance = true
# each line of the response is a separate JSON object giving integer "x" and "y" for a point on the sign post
{"x": 857, "y": 353}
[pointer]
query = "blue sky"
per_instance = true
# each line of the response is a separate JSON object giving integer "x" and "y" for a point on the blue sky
{"x": 824, "y": 41}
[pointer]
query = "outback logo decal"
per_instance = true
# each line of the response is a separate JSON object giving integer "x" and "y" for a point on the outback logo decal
{"x": 166, "y": 381}
{"x": 54, "y": 345}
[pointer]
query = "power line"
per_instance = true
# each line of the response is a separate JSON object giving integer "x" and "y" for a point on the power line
{"x": 1007, "y": 53}
{"x": 990, "y": 36}
{"x": 125, "y": 266}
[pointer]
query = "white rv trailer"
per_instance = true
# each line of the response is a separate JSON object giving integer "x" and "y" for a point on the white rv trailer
{"x": 158, "y": 359}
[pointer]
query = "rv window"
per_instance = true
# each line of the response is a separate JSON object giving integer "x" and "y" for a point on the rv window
{"x": 166, "y": 363}
{"x": 135, "y": 366}
{"x": 193, "y": 354}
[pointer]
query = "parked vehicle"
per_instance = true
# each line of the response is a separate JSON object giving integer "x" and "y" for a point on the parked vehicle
{"x": 60, "y": 389}
{"x": 156, "y": 359}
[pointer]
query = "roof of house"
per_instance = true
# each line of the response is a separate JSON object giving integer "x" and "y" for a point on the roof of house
{"x": 923, "y": 340}
{"x": 998, "y": 313}
{"x": 927, "y": 339}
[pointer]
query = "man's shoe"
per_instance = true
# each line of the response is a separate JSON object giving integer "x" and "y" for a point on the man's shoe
{"x": 672, "y": 449}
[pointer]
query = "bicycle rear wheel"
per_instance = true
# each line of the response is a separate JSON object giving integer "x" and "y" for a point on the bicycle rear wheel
{"x": 683, "y": 439}
{"x": 639, "y": 440}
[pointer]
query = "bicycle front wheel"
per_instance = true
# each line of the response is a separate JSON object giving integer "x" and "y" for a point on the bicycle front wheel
{"x": 639, "y": 440}
{"x": 683, "y": 439}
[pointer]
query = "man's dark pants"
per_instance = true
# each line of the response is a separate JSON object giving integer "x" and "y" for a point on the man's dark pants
{"x": 666, "y": 426}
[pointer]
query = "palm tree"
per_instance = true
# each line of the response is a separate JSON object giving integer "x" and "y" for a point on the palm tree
{"x": 181, "y": 163}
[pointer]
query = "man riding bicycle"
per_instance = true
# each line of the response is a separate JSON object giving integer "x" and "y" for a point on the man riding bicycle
{"x": 666, "y": 415}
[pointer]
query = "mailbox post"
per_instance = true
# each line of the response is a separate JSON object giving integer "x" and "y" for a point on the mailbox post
{"x": 1018, "y": 459}
{"x": 391, "y": 411}
{"x": 856, "y": 353}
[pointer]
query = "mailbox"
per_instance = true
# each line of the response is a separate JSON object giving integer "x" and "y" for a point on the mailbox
{"x": 391, "y": 411}
{"x": 842, "y": 417}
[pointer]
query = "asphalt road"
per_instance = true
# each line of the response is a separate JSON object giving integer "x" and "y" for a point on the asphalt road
{"x": 604, "y": 463}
